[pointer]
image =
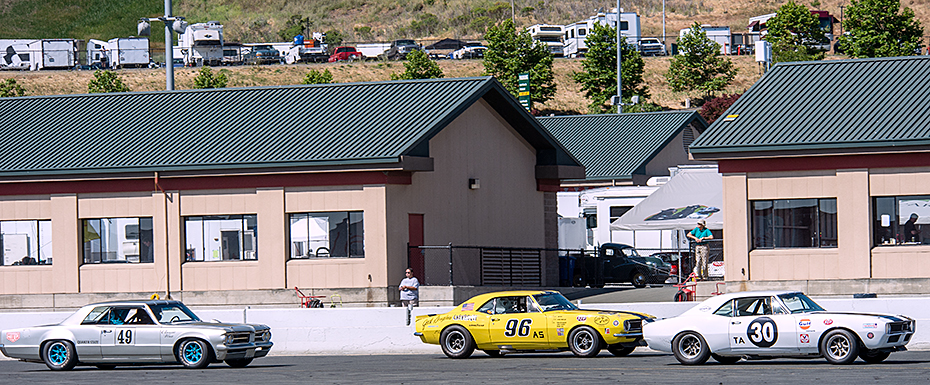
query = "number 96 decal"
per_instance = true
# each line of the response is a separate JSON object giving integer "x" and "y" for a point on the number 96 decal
{"x": 762, "y": 332}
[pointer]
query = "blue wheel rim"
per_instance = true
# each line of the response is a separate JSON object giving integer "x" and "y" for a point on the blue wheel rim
{"x": 193, "y": 352}
{"x": 58, "y": 354}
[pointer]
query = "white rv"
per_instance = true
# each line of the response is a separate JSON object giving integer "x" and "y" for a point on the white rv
{"x": 202, "y": 43}
{"x": 575, "y": 34}
{"x": 372, "y": 50}
{"x": 129, "y": 52}
{"x": 720, "y": 35}
{"x": 550, "y": 35}
{"x": 14, "y": 54}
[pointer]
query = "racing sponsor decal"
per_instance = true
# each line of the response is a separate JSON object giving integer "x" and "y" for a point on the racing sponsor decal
{"x": 616, "y": 322}
{"x": 870, "y": 335}
{"x": 828, "y": 321}
{"x": 704, "y": 309}
{"x": 12, "y": 336}
{"x": 805, "y": 339}
{"x": 468, "y": 306}
{"x": 870, "y": 326}
{"x": 581, "y": 318}
{"x": 804, "y": 324}
{"x": 601, "y": 320}
{"x": 762, "y": 332}
{"x": 606, "y": 330}
{"x": 560, "y": 332}
{"x": 465, "y": 317}
{"x": 87, "y": 342}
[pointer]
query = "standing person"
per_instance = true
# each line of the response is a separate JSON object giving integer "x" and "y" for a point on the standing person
{"x": 911, "y": 234}
{"x": 700, "y": 235}
{"x": 104, "y": 60}
{"x": 410, "y": 290}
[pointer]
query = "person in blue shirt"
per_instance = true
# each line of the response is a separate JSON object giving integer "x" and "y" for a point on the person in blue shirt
{"x": 699, "y": 236}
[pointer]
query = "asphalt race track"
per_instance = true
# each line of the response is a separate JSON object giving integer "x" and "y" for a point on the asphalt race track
{"x": 557, "y": 368}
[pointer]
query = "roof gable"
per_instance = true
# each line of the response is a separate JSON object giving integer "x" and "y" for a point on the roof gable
{"x": 259, "y": 127}
{"x": 830, "y": 106}
{"x": 616, "y": 146}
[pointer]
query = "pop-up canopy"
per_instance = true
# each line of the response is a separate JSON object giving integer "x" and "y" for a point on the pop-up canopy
{"x": 690, "y": 195}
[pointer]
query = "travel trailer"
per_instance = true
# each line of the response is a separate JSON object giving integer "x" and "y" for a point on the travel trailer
{"x": 202, "y": 43}
{"x": 550, "y": 35}
{"x": 720, "y": 35}
{"x": 575, "y": 34}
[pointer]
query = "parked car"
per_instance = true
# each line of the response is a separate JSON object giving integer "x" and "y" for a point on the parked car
{"x": 345, "y": 53}
{"x": 673, "y": 260}
{"x": 652, "y": 47}
{"x": 469, "y": 52}
{"x": 773, "y": 324}
{"x": 510, "y": 321}
{"x": 618, "y": 263}
{"x": 399, "y": 49}
{"x": 262, "y": 54}
{"x": 137, "y": 332}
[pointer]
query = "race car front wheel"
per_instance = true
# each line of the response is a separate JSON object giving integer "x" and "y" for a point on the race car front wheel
{"x": 620, "y": 351}
{"x": 456, "y": 342}
{"x": 59, "y": 355}
{"x": 839, "y": 347}
{"x": 194, "y": 354}
{"x": 584, "y": 342}
{"x": 239, "y": 362}
{"x": 690, "y": 348}
{"x": 873, "y": 356}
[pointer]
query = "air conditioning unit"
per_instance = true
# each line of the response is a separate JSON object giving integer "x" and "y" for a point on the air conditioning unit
{"x": 657, "y": 181}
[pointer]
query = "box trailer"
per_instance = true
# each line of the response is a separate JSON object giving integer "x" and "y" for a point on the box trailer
{"x": 53, "y": 53}
{"x": 718, "y": 34}
{"x": 14, "y": 54}
{"x": 129, "y": 52}
{"x": 373, "y": 50}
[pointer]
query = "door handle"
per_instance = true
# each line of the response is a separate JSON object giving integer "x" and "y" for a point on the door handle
{"x": 495, "y": 319}
{"x": 734, "y": 323}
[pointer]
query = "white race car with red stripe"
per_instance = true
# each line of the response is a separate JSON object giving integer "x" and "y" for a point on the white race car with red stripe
{"x": 776, "y": 324}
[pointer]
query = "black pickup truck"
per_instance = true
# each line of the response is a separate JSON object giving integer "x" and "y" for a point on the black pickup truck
{"x": 618, "y": 263}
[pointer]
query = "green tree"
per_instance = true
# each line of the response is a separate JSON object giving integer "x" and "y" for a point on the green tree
{"x": 206, "y": 79}
{"x": 333, "y": 38}
{"x": 317, "y": 77}
{"x": 511, "y": 52}
{"x": 879, "y": 28}
{"x": 419, "y": 66}
{"x": 795, "y": 34}
{"x": 699, "y": 66}
{"x": 11, "y": 88}
{"x": 599, "y": 77}
{"x": 106, "y": 81}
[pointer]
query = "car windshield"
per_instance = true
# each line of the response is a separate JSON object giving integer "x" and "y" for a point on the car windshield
{"x": 173, "y": 313}
{"x": 406, "y": 42}
{"x": 553, "y": 301}
{"x": 264, "y": 48}
{"x": 799, "y": 303}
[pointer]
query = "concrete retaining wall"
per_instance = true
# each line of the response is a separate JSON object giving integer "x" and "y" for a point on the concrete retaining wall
{"x": 298, "y": 331}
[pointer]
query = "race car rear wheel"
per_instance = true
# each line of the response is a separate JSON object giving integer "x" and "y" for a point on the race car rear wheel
{"x": 194, "y": 354}
{"x": 873, "y": 356}
{"x": 239, "y": 362}
{"x": 726, "y": 360}
{"x": 59, "y": 355}
{"x": 493, "y": 353}
{"x": 584, "y": 342}
{"x": 456, "y": 342}
{"x": 690, "y": 348}
{"x": 639, "y": 279}
{"x": 839, "y": 347}
{"x": 620, "y": 351}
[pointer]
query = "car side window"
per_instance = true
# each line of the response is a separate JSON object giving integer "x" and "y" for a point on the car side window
{"x": 138, "y": 316}
{"x": 510, "y": 305}
{"x": 531, "y": 306}
{"x": 488, "y": 307}
{"x": 777, "y": 308}
{"x": 725, "y": 310}
{"x": 753, "y": 306}
{"x": 95, "y": 316}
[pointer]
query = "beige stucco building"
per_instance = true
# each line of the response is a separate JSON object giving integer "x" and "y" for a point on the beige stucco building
{"x": 827, "y": 178}
{"x": 216, "y": 205}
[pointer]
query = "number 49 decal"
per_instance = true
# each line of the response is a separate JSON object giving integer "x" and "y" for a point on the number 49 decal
{"x": 762, "y": 332}
{"x": 124, "y": 337}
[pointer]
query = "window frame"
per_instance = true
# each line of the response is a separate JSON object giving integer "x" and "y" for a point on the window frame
{"x": 823, "y": 223}
{"x": 354, "y": 230}
{"x": 246, "y": 235}
{"x": 113, "y": 229}
{"x": 895, "y": 235}
{"x": 43, "y": 243}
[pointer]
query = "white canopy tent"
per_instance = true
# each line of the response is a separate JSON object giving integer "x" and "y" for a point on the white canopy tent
{"x": 690, "y": 195}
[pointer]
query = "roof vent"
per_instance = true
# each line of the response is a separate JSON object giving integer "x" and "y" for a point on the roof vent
{"x": 657, "y": 181}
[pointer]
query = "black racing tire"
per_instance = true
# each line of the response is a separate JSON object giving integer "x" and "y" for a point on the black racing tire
{"x": 584, "y": 342}
{"x": 620, "y": 351}
{"x": 873, "y": 356}
{"x": 639, "y": 279}
{"x": 579, "y": 281}
{"x": 239, "y": 362}
{"x": 690, "y": 348}
{"x": 726, "y": 360}
{"x": 493, "y": 353}
{"x": 839, "y": 347}
{"x": 194, "y": 353}
{"x": 105, "y": 367}
{"x": 681, "y": 296}
{"x": 456, "y": 342}
{"x": 59, "y": 355}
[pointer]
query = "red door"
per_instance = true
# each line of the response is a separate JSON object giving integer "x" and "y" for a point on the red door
{"x": 415, "y": 238}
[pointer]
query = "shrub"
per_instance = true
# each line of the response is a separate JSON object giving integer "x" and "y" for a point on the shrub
{"x": 206, "y": 79}
{"x": 106, "y": 81}
{"x": 317, "y": 77}
{"x": 714, "y": 108}
{"x": 11, "y": 88}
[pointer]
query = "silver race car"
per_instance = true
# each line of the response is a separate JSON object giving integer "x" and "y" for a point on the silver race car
{"x": 136, "y": 332}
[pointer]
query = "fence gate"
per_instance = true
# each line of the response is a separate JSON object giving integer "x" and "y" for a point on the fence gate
{"x": 510, "y": 267}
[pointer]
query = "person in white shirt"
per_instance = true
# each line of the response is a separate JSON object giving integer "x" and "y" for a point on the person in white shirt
{"x": 409, "y": 290}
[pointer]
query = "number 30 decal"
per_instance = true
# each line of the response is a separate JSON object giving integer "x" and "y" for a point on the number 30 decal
{"x": 511, "y": 328}
{"x": 762, "y": 332}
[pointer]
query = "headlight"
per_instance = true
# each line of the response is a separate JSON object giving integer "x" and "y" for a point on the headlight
{"x": 229, "y": 339}
{"x": 266, "y": 336}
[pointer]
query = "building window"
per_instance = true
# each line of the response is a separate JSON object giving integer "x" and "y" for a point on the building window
{"x": 327, "y": 235}
{"x": 617, "y": 211}
{"x": 26, "y": 242}
{"x": 221, "y": 238}
{"x": 118, "y": 240}
{"x": 899, "y": 220}
{"x": 783, "y": 223}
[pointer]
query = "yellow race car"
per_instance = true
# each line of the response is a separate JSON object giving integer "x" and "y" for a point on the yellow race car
{"x": 525, "y": 321}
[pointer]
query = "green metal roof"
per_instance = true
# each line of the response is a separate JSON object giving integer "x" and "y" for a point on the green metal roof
{"x": 826, "y": 106}
{"x": 245, "y": 128}
{"x": 617, "y": 146}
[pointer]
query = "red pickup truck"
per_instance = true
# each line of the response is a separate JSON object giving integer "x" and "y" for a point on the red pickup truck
{"x": 345, "y": 53}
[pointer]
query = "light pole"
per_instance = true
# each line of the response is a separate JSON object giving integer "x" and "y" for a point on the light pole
{"x": 171, "y": 23}
{"x": 619, "y": 101}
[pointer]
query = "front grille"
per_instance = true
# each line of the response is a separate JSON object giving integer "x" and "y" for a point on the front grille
{"x": 893, "y": 338}
{"x": 633, "y": 325}
{"x": 899, "y": 327}
{"x": 241, "y": 338}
